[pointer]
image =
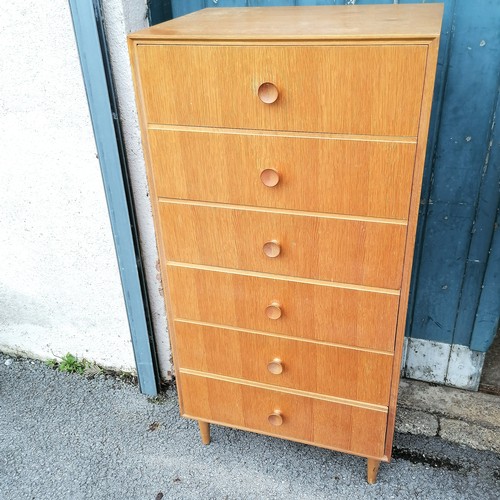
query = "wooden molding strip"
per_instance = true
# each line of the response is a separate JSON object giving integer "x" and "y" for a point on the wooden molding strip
{"x": 281, "y": 211}
{"x": 287, "y": 390}
{"x": 282, "y": 336}
{"x": 309, "y": 281}
{"x": 242, "y": 41}
{"x": 282, "y": 133}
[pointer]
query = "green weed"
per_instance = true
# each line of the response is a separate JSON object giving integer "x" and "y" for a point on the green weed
{"x": 71, "y": 364}
{"x": 52, "y": 363}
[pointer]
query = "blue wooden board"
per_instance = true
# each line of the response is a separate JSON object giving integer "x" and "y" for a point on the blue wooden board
{"x": 486, "y": 317}
{"x": 447, "y": 288}
{"x": 186, "y": 7}
{"x": 439, "y": 87}
{"x": 319, "y": 2}
{"x": 226, "y": 3}
{"x": 460, "y": 191}
{"x": 269, "y": 3}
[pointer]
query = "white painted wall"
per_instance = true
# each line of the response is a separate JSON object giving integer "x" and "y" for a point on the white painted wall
{"x": 122, "y": 17}
{"x": 60, "y": 289}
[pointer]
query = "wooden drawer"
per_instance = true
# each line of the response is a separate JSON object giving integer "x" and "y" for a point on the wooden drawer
{"x": 371, "y": 178}
{"x": 317, "y": 312}
{"x": 350, "y": 428}
{"x": 325, "y": 248}
{"x": 334, "y": 371}
{"x": 373, "y": 90}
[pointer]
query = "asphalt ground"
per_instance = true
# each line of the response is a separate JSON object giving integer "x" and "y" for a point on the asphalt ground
{"x": 65, "y": 436}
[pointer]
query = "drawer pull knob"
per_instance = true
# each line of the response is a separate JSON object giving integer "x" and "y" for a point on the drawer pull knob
{"x": 275, "y": 367}
{"x": 272, "y": 249}
{"x": 269, "y": 177}
{"x": 273, "y": 311}
{"x": 268, "y": 93}
{"x": 275, "y": 418}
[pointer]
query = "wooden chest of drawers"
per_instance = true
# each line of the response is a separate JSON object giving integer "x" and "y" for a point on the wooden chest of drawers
{"x": 285, "y": 149}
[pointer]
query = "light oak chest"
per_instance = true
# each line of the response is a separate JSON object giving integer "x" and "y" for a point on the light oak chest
{"x": 285, "y": 149}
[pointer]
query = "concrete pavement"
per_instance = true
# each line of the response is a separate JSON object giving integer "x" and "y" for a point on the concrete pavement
{"x": 462, "y": 417}
{"x": 69, "y": 437}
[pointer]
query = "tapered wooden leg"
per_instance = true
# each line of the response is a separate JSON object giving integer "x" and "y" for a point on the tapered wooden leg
{"x": 204, "y": 431}
{"x": 372, "y": 470}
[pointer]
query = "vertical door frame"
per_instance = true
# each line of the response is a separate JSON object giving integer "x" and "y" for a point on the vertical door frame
{"x": 97, "y": 77}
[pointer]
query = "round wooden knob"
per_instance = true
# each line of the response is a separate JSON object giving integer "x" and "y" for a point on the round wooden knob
{"x": 273, "y": 311}
{"x": 275, "y": 367}
{"x": 272, "y": 249}
{"x": 268, "y": 93}
{"x": 269, "y": 177}
{"x": 275, "y": 418}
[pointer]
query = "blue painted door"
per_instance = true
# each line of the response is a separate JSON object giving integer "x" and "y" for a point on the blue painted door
{"x": 455, "y": 296}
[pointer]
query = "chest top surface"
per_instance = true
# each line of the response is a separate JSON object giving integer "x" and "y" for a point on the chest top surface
{"x": 350, "y": 22}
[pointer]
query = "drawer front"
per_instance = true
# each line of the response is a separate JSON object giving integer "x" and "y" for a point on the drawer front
{"x": 324, "y": 248}
{"x": 323, "y": 423}
{"x": 373, "y": 90}
{"x": 334, "y": 371}
{"x": 313, "y": 174}
{"x": 315, "y": 312}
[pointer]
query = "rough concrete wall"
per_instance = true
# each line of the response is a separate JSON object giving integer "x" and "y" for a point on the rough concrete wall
{"x": 60, "y": 289}
{"x": 122, "y": 17}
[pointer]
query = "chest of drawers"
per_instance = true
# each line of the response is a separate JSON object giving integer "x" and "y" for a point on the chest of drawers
{"x": 285, "y": 149}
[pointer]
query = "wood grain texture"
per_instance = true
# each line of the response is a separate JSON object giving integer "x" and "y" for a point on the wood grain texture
{"x": 321, "y": 89}
{"x": 359, "y": 73}
{"x": 315, "y": 312}
{"x": 372, "y": 468}
{"x": 348, "y": 251}
{"x": 204, "y": 431}
{"x": 334, "y": 371}
{"x": 410, "y": 241}
{"x": 330, "y": 425}
{"x": 352, "y": 22}
{"x": 320, "y": 175}
{"x": 141, "y": 112}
